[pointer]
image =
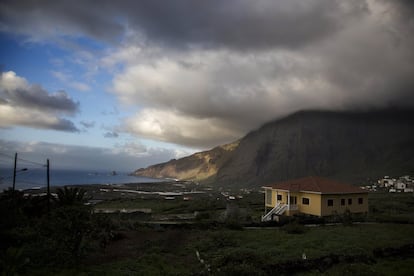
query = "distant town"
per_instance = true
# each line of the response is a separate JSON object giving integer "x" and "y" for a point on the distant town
{"x": 402, "y": 184}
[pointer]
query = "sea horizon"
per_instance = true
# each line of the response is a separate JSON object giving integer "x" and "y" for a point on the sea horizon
{"x": 37, "y": 178}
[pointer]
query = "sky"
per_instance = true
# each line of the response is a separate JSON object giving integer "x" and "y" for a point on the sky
{"x": 121, "y": 85}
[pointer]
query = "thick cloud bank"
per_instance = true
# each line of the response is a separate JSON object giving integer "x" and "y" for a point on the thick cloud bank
{"x": 200, "y": 73}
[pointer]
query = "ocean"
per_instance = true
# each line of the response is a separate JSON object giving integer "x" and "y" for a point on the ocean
{"x": 35, "y": 178}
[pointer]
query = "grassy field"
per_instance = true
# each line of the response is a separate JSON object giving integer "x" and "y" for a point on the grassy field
{"x": 259, "y": 251}
{"x": 219, "y": 240}
{"x": 336, "y": 250}
{"x": 391, "y": 207}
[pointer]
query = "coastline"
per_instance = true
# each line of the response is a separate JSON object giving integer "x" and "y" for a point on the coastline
{"x": 142, "y": 189}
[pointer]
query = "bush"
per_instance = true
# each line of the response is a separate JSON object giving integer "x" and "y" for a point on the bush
{"x": 62, "y": 237}
{"x": 294, "y": 228}
{"x": 347, "y": 218}
{"x": 12, "y": 261}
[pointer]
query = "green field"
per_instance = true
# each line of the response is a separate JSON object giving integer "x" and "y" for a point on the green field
{"x": 223, "y": 238}
{"x": 258, "y": 251}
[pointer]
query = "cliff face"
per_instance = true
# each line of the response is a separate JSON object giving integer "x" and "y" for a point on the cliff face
{"x": 200, "y": 166}
{"x": 345, "y": 146}
{"x": 342, "y": 145}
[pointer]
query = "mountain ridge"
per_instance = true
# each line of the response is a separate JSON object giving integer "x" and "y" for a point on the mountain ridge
{"x": 348, "y": 146}
{"x": 199, "y": 166}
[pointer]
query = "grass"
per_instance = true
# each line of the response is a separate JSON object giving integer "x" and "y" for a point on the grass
{"x": 316, "y": 242}
{"x": 158, "y": 250}
{"x": 391, "y": 207}
{"x": 225, "y": 251}
{"x": 392, "y": 266}
{"x": 198, "y": 202}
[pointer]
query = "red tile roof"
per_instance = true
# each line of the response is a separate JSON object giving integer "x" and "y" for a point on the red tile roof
{"x": 317, "y": 184}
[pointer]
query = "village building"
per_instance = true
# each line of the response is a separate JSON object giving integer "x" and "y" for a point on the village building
{"x": 402, "y": 184}
{"x": 315, "y": 196}
{"x": 386, "y": 182}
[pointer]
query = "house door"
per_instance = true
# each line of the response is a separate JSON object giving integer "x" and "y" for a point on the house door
{"x": 292, "y": 200}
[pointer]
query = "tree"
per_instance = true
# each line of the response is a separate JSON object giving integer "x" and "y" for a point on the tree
{"x": 71, "y": 196}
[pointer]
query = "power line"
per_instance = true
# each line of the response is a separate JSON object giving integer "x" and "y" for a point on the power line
{"x": 24, "y": 160}
{"x": 6, "y": 155}
{"x": 32, "y": 162}
{"x": 5, "y": 161}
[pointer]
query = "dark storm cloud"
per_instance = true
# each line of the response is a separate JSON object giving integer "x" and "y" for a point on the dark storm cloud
{"x": 30, "y": 105}
{"x": 373, "y": 64}
{"x": 36, "y": 97}
{"x": 49, "y": 17}
{"x": 240, "y": 24}
{"x": 60, "y": 124}
{"x": 17, "y": 92}
{"x": 366, "y": 63}
{"x": 209, "y": 71}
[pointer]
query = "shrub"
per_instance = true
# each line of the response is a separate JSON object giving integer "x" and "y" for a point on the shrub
{"x": 347, "y": 218}
{"x": 294, "y": 228}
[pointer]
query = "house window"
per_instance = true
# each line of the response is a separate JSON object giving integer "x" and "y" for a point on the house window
{"x": 279, "y": 197}
{"x": 349, "y": 201}
{"x": 268, "y": 197}
{"x": 330, "y": 202}
{"x": 342, "y": 201}
{"x": 305, "y": 201}
{"x": 360, "y": 200}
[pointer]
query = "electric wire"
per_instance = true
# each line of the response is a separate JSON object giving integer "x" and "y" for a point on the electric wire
{"x": 31, "y": 162}
{"x": 23, "y": 160}
{"x": 4, "y": 154}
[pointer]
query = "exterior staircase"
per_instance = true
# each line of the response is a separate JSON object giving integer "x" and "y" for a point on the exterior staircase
{"x": 279, "y": 209}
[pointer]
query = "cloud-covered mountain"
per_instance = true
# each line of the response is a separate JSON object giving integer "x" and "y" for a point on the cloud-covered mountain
{"x": 350, "y": 146}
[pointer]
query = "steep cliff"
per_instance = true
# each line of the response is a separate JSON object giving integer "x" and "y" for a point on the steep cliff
{"x": 350, "y": 146}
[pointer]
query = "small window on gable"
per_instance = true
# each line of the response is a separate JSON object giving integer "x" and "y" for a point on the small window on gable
{"x": 305, "y": 201}
{"x": 360, "y": 200}
{"x": 349, "y": 201}
{"x": 279, "y": 197}
{"x": 330, "y": 202}
{"x": 342, "y": 201}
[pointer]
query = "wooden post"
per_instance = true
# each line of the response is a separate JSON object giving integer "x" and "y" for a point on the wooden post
{"x": 48, "y": 186}
{"x": 288, "y": 201}
{"x": 14, "y": 172}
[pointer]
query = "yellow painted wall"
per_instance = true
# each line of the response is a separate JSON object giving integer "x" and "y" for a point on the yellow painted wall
{"x": 274, "y": 197}
{"x": 314, "y": 207}
{"x": 337, "y": 208}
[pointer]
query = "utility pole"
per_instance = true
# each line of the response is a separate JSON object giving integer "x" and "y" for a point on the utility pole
{"x": 14, "y": 172}
{"x": 48, "y": 186}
